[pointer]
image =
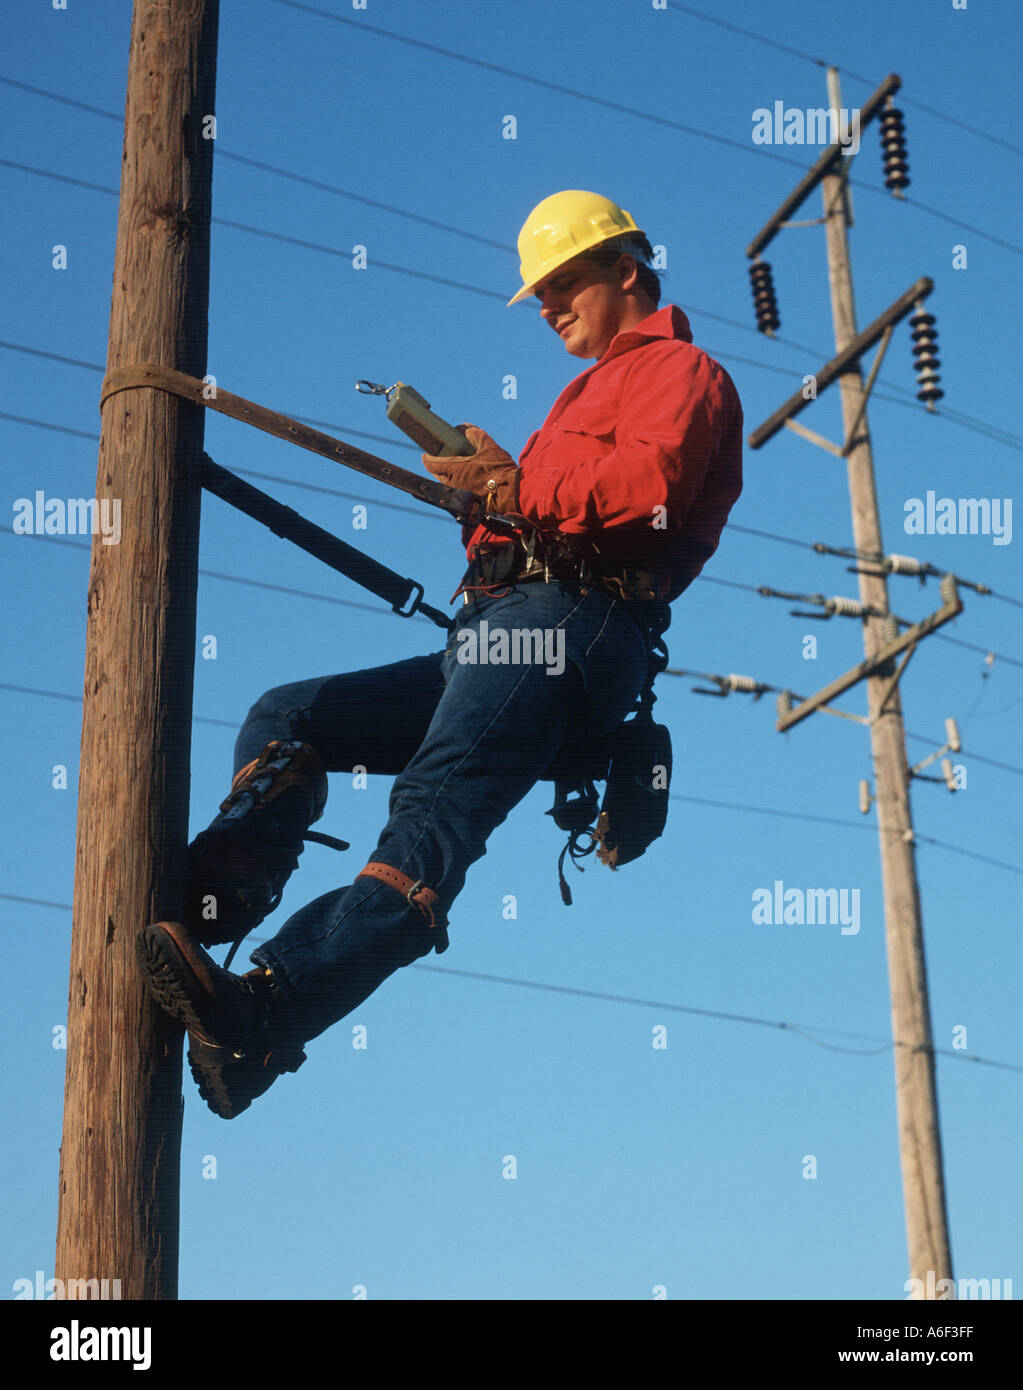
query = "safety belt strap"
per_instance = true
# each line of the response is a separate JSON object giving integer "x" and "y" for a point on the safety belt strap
{"x": 464, "y": 506}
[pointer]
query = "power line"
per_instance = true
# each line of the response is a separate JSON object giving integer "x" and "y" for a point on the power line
{"x": 728, "y": 583}
{"x": 275, "y": 236}
{"x": 846, "y": 824}
{"x": 859, "y": 77}
{"x": 77, "y": 699}
{"x": 276, "y": 169}
{"x": 756, "y": 150}
{"x": 53, "y": 356}
{"x": 946, "y": 412}
{"x": 984, "y": 651}
{"x": 527, "y": 77}
{"x": 802, "y": 1030}
{"x": 703, "y": 578}
{"x": 748, "y": 33}
{"x": 965, "y": 421}
{"x": 820, "y": 549}
{"x": 236, "y": 579}
{"x": 347, "y": 255}
{"x": 773, "y": 811}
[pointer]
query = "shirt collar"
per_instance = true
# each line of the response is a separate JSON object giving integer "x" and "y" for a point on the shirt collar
{"x": 667, "y": 322}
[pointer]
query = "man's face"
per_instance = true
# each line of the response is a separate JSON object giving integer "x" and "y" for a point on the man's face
{"x": 586, "y": 305}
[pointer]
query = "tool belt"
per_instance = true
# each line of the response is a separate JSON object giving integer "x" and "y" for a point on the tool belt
{"x": 552, "y": 556}
{"x": 635, "y": 760}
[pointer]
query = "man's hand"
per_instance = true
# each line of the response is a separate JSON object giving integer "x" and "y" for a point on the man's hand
{"x": 489, "y": 472}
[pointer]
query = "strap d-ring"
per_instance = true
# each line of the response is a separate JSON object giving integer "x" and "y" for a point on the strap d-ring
{"x": 416, "y": 597}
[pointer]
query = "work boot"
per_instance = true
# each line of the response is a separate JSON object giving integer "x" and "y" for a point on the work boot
{"x": 239, "y": 1042}
{"x": 239, "y": 865}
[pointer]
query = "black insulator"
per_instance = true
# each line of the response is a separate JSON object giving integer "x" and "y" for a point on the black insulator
{"x": 925, "y": 350}
{"x": 893, "y": 149}
{"x": 764, "y": 303}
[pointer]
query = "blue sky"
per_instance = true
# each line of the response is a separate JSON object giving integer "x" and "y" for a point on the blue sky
{"x": 638, "y": 1168}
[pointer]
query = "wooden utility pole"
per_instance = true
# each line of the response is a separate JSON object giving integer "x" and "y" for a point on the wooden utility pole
{"x": 119, "y": 1169}
{"x": 915, "y": 1091}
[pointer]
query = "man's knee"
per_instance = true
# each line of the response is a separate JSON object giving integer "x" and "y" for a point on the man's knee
{"x": 280, "y": 702}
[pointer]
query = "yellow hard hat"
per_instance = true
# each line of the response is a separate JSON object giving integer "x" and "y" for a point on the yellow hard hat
{"x": 564, "y": 226}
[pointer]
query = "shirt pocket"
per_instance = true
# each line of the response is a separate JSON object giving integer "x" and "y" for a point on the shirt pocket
{"x": 595, "y": 422}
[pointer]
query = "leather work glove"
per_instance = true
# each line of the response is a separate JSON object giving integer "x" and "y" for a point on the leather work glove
{"x": 490, "y": 472}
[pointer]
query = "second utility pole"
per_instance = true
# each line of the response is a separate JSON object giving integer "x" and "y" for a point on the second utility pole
{"x": 915, "y": 1091}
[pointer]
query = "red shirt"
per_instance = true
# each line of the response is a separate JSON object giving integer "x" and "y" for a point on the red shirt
{"x": 644, "y": 449}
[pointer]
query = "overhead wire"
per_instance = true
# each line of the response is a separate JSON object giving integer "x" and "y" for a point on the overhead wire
{"x": 773, "y": 811}
{"x": 401, "y": 212}
{"x": 848, "y": 72}
{"x": 703, "y": 578}
{"x": 745, "y": 148}
{"x": 756, "y": 150}
{"x": 985, "y": 428}
{"x": 803, "y": 1030}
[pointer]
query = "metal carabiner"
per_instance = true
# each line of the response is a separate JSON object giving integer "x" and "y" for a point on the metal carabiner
{"x": 373, "y": 388}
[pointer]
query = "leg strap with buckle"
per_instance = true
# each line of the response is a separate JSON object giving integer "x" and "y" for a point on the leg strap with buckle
{"x": 414, "y": 891}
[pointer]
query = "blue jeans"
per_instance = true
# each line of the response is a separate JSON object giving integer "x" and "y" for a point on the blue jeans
{"x": 468, "y": 738}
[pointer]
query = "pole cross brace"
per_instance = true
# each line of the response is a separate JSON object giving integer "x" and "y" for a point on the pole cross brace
{"x": 844, "y": 362}
{"x": 873, "y": 666}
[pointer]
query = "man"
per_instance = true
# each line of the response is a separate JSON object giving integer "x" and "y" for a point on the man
{"x": 618, "y": 500}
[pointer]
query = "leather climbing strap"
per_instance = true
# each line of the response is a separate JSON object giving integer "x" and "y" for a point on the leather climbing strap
{"x": 404, "y": 595}
{"x": 463, "y": 506}
{"x": 413, "y": 890}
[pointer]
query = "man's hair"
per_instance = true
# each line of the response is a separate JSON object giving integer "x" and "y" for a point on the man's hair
{"x": 636, "y": 245}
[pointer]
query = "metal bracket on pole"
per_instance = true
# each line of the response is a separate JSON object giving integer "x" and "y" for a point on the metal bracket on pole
{"x": 950, "y": 609}
{"x": 953, "y": 744}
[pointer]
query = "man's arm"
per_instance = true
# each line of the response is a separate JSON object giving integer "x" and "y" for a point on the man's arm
{"x": 678, "y": 412}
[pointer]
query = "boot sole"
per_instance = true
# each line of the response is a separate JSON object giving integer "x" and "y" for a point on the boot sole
{"x": 176, "y": 980}
{"x": 166, "y": 964}
{"x": 215, "y": 1091}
